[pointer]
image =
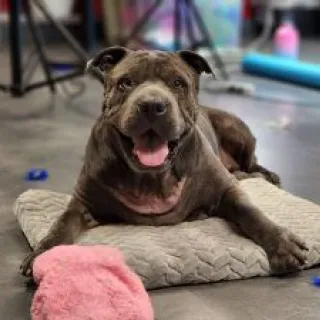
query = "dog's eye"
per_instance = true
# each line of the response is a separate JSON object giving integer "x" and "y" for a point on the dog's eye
{"x": 179, "y": 84}
{"x": 126, "y": 83}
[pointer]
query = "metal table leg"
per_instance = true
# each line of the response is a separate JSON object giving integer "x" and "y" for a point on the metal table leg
{"x": 16, "y": 86}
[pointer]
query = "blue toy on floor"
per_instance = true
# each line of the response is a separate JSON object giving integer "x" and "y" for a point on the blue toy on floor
{"x": 36, "y": 175}
{"x": 316, "y": 281}
{"x": 289, "y": 70}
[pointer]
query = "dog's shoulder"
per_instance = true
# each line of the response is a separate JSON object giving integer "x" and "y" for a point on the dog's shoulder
{"x": 206, "y": 131}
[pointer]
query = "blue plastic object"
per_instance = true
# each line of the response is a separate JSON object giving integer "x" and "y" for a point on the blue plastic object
{"x": 37, "y": 175}
{"x": 278, "y": 68}
{"x": 316, "y": 281}
{"x": 62, "y": 67}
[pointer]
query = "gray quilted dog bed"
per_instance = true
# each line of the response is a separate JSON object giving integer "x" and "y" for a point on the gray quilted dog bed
{"x": 190, "y": 253}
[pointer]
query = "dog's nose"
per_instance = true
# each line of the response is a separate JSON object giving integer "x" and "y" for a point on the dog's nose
{"x": 153, "y": 109}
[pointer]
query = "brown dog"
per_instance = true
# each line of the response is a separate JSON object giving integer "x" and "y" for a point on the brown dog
{"x": 156, "y": 157}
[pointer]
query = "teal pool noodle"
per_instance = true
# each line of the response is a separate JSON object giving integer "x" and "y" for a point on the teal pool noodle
{"x": 289, "y": 70}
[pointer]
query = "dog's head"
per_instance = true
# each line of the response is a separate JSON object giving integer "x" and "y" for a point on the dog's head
{"x": 150, "y": 102}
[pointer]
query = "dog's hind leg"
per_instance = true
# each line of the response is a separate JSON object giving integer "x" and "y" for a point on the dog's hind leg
{"x": 237, "y": 146}
{"x": 241, "y": 175}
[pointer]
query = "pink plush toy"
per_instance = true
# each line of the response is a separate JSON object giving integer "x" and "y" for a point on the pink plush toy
{"x": 87, "y": 283}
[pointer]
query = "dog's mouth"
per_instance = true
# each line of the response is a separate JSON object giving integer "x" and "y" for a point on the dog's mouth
{"x": 150, "y": 150}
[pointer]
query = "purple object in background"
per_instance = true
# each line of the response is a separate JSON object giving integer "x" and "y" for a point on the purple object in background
{"x": 287, "y": 39}
{"x": 222, "y": 18}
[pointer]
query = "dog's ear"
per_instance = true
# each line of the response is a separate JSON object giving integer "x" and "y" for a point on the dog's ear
{"x": 195, "y": 61}
{"x": 105, "y": 60}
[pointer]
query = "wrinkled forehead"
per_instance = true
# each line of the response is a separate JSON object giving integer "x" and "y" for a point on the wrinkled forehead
{"x": 152, "y": 65}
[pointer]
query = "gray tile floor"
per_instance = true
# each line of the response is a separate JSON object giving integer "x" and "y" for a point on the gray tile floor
{"x": 42, "y": 131}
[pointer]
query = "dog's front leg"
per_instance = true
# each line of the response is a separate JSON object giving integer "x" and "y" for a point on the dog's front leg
{"x": 68, "y": 227}
{"x": 285, "y": 250}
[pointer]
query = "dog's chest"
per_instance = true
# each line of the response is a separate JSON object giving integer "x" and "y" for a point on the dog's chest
{"x": 147, "y": 204}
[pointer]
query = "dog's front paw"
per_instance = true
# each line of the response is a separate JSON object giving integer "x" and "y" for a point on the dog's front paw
{"x": 26, "y": 265}
{"x": 287, "y": 253}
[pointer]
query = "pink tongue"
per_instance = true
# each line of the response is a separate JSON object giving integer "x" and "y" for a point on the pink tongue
{"x": 150, "y": 157}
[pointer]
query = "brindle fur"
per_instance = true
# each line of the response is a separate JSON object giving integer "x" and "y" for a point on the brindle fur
{"x": 216, "y": 144}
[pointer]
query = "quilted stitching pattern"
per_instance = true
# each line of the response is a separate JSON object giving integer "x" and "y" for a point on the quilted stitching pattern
{"x": 190, "y": 253}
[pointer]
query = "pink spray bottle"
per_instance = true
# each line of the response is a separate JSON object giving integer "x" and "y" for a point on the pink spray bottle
{"x": 287, "y": 39}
